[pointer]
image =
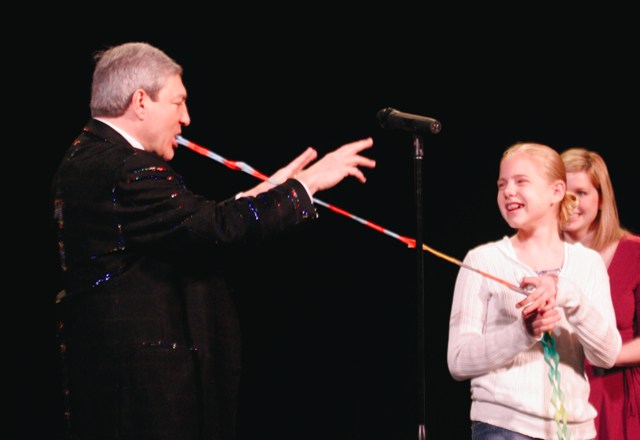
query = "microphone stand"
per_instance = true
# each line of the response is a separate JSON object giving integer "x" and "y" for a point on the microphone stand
{"x": 417, "y": 161}
{"x": 392, "y": 118}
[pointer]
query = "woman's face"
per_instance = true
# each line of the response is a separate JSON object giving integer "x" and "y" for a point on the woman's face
{"x": 580, "y": 184}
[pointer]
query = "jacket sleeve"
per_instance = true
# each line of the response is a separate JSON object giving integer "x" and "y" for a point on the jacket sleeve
{"x": 155, "y": 208}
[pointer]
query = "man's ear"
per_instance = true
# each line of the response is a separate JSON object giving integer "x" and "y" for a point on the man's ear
{"x": 138, "y": 103}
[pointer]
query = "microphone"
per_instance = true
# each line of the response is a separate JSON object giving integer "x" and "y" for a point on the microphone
{"x": 394, "y": 119}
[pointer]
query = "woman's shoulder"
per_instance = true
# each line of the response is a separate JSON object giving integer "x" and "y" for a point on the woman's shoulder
{"x": 631, "y": 240}
{"x": 629, "y": 245}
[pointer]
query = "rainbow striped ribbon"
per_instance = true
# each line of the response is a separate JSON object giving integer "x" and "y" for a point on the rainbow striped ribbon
{"x": 551, "y": 356}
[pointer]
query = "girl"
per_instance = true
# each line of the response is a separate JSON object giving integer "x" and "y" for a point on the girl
{"x": 495, "y": 330}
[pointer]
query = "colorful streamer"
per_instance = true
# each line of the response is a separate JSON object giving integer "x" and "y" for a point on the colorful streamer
{"x": 551, "y": 356}
{"x": 242, "y": 166}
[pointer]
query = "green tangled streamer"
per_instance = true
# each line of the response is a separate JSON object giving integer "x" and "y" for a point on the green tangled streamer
{"x": 552, "y": 358}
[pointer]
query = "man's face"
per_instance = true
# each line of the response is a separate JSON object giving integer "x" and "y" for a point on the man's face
{"x": 165, "y": 118}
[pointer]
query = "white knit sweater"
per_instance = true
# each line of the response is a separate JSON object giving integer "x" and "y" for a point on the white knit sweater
{"x": 488, "y": 342}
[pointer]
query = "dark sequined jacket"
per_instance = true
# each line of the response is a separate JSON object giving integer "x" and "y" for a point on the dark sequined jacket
{"x": 148, "y": 331}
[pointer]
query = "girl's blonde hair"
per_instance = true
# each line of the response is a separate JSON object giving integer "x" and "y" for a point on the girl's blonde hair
{"x": 550, "y": 166}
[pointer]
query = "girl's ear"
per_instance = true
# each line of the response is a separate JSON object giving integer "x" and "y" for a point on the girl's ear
{"x": 559, "y": 189}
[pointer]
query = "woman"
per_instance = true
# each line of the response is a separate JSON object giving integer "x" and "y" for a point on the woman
{"x": 615, "y": 392}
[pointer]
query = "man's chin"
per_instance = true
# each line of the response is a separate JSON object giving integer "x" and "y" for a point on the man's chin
{"x": 168, "y": 155}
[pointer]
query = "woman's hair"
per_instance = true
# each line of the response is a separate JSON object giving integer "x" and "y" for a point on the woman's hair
{"x": 123, "y": 69}
{"x": 606, "y": 226}
{"x": 550, "y": 166}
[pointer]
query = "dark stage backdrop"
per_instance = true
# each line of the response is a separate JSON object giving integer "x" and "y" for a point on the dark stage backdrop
{"x": 331, "y": 352}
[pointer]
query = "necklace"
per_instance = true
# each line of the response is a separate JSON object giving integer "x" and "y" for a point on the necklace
{"x": 548, "y": 271}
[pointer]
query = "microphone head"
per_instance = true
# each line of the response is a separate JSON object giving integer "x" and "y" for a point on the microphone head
{"x": 397, "y": 120}
{"x": 382, "y": 116}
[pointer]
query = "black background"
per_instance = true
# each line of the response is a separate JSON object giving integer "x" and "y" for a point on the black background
{"x": 329, "y": 311}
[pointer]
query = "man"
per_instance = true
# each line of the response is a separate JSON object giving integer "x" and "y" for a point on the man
{"x": 148, "y": 329}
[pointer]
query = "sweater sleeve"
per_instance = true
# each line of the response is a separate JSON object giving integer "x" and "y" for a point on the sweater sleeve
{"x": 590, "y": 312}
{"x": 484, "y": 332}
